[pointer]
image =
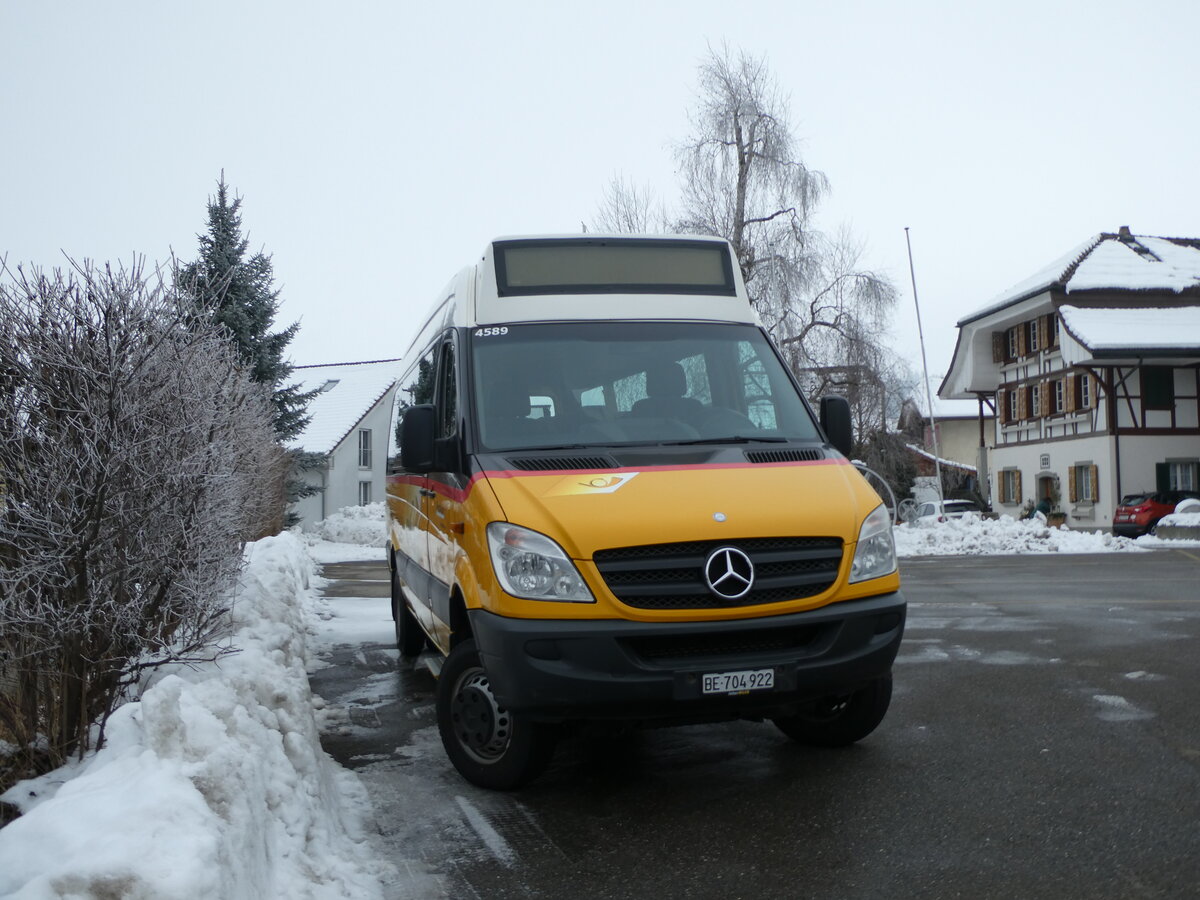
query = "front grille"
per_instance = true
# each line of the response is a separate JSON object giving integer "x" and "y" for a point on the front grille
{"x": 722, "y": 643}
{"x": 556, "y": 463}
{"x": 671, "y": 576}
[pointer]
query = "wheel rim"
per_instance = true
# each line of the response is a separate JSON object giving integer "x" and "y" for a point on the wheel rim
{"x": 482, "y": 726}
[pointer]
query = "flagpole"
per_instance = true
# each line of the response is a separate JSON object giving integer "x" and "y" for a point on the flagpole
{"x": 937, "y": 453}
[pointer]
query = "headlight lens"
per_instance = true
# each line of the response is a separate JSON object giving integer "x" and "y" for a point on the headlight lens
{"x": 875, "y": 554}
{"x": 531, "y": 566}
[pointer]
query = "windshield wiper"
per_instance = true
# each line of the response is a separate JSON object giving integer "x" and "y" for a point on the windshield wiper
{"x": 734, "y": 439}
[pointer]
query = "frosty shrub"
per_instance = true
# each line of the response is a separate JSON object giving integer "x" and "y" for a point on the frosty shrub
{"x": 135, "y": 457}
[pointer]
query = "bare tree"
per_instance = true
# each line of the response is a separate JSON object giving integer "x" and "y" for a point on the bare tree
{"x": 627, "y": 208}
{"x": 743, "y": 179}
{"x": 134, "y": 451}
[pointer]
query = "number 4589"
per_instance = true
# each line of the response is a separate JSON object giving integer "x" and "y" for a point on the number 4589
{"x": 491, "y": 332}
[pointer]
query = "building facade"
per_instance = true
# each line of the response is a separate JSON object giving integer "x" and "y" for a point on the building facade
{"x": 1093, "y": 369}
{"x": 347, "y": 435}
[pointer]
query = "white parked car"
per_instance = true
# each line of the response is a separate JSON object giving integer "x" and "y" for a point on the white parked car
{"x": 928, "y": 512}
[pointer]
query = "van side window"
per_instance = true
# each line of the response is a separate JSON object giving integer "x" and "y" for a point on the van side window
{"x": 416, "y": 387}
{"x": 447, "y": 395}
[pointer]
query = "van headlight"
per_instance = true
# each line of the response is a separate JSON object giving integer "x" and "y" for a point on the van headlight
{"x": 531, "y": 566}
{"x": 875, "y": 555}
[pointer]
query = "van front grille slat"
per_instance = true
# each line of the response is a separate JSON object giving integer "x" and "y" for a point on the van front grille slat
{"x": 671, "y": 576}
{"x": 790, "y": 455}
{"x": 563, "y": 463}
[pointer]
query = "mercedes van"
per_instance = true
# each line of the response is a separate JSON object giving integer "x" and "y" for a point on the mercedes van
{"x": 608, "y": 500}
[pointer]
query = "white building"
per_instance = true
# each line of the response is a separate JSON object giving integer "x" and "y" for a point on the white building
{"x": 349, "y": 429}
{"x": 1093, "y": 368}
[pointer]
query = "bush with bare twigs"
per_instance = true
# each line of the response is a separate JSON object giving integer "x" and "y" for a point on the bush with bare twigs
{"x": 135, "y": 458}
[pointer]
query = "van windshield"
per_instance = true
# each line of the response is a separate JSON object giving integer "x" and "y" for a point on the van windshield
{"x": 624, "y": 383}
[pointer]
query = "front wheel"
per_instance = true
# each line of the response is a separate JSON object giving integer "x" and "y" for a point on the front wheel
{"x": 840, "y": 720}
{"x": 488, "y": 745}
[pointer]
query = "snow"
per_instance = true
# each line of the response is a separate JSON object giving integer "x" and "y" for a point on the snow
{"x": 1115, "y": 265}
{"x": 1037, "y": 282}
{"x": 1107, "y": 263}
{"x": 973, "y": 535}
{"x": 213, "y": 783}
{"x": 1144, "y": 328}
{"x": 352, "y": 534}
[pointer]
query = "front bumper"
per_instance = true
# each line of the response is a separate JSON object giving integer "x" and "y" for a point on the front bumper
{"x": 556, "y": 670}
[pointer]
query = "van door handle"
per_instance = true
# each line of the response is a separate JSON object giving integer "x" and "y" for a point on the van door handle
{"x": 426, "y": 492}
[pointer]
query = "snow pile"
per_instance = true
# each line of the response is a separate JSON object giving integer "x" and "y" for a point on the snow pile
{"x": 351, "y": 533}
{"x": 1184, "y": 519}
{"x": 213, "y": 785}
{"x": 972, "y": 535}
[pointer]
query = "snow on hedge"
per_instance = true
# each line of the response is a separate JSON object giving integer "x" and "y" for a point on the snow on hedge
{"x": 214, "y": 784}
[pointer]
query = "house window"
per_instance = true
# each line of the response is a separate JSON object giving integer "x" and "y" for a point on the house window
{"x": 1032, "y": 339}
{"x": 1013, "y": 348}
{"x": 1010, "y": 486}
{"x": 364, "y": 493}
{"x": 364, "y": 448}
{"x": 1084, "y": 483}
{"x": 1013, "y": 398}
{"x": 1035, "y": 400}
{"x": 1056, "y": 324}
{"x": 1060, "y": 396}
{"x": 1158, "y": 387}
{"x": 1183, "y": 476}
{"x": 1083, "y": 392}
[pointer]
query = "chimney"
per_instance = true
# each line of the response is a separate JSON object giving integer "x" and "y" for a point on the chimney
{"x": 1123, "y": 232}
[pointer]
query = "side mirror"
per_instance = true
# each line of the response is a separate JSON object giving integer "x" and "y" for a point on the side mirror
{"x": 835, "y": 422}
{"x": 417, "y": 430}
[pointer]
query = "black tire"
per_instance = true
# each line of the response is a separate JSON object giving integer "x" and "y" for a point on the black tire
{"x": 410, "y": 640}
{"x": 841, "y": 720}
{"x": 488, "y": 745}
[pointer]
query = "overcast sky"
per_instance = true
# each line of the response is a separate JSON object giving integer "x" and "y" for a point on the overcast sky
{"x": 378, "y": 146}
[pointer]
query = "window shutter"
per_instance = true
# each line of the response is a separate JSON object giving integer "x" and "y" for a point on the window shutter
{"x": 1069, "y": 393}
{"x": 1073, "y": 484}
{"x": 999, "y": 345}
{"x": 1162, "y": 476}
{"x": 1047, "y": 387}
{"x": 1017, "y": 487}
{"x": 1002, "y": 406}
{"x": 1092, "y": 398}
{"x": 1022, "y": 341}
{"x": 1094, "y": 478}
{"x": 1048, "y": 326}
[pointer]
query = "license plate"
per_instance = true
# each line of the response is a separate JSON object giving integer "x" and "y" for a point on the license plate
{"x": 738, "y": 682}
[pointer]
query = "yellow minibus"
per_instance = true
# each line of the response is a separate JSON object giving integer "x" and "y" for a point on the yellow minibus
{"x": 608, "y": 500}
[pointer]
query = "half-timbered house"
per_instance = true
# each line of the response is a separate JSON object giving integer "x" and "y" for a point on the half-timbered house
{"x": 1092, "y": 367}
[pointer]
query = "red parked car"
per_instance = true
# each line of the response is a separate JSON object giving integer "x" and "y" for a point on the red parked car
{"x": 1139, "y": 513}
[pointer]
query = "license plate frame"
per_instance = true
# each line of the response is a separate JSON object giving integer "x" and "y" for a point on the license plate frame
{"x": 737, "y": 681}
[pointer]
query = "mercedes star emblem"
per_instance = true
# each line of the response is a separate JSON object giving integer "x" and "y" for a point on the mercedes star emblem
{"x": 729, "y": 573}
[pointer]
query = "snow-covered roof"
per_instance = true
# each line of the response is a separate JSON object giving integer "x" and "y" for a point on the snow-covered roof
{"x": 1111, "y": 262}
{"x": 349, "y": 392}
{"x": 1156, "y": 280}
{"x": 1105, "y": 332}
{"x": 949, "y": 463}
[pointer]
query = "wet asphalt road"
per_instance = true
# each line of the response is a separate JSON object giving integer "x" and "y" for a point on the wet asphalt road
{"x": 1043, "y": 741}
